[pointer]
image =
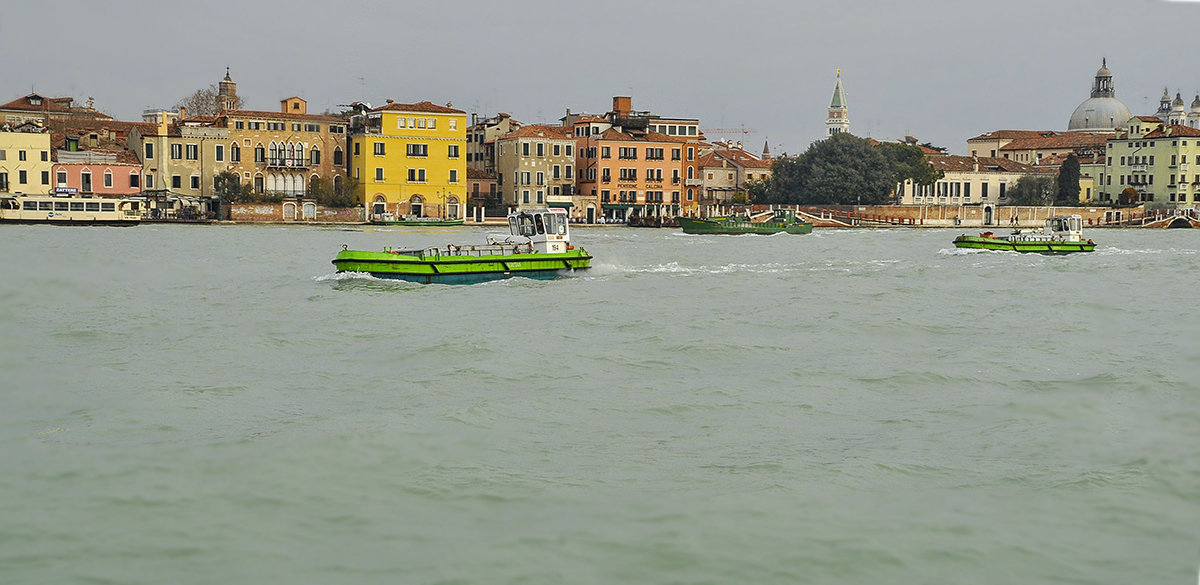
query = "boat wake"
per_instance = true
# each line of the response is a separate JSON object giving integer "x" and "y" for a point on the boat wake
{"x": 676, "y": 268}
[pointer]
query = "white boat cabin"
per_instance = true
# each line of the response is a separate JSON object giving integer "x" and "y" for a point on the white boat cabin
{"x": 1059, "y": 228}
{"x": 546, "y": 231}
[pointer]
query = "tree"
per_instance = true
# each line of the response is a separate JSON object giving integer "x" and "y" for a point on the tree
{"x": 204, "y": 102}
{"x": 329, "y": 194}
{"x": 1128, "y": 196}
{"x": 1033, "y": 190}
{"x": 909, "y": 162}
{"x": 229, "y": 187}
{"x": 841, "y": 169}
{"x": 757, "y": 190}
{"x": 1068, "y": 181}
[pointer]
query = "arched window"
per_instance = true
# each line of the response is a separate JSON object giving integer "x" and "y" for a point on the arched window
{"x": 338, "y": 159}
{"x": 235, "y": 153}
{"x": 315, "y": 156}
{"x": 274, "y": 155}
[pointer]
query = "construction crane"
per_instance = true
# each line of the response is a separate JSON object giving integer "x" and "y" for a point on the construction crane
{"x": 742, "y": 131}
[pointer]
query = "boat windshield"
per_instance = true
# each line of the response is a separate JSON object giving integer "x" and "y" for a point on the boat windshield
{"x": 556, "y": 224}
{"x": 525, "y": 225}
{"x": 537, "y": 221}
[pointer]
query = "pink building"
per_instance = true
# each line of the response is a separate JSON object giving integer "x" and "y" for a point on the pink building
{"x": 104, "y": 173}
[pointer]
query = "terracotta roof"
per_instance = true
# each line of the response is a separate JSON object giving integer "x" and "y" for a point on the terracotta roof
{"x": 478, "y": 175}
{"x": 1059, "y": 140}
{"x": 540, "y": 131}
{"x": 51, "y": 104}
{"x": 742, "y": 158}
{"x": 426, "y": 106}
{"x": 277, "y": 115}
{"x": 709, "y": 160}
{"x": 1148, "y": 118}
{"x": 1173, "y": 130}
{"x": 1012, "y": 134}
{"x": 589, "y": 118}
{"x": 951, "y": 162}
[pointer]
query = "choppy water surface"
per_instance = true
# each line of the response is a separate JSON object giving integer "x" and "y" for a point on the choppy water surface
{"x": 199, "y": 404}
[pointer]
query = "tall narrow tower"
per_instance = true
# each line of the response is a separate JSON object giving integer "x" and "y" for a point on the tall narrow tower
{"x": 227, "y": 98}
{"x": 839, "y": 114}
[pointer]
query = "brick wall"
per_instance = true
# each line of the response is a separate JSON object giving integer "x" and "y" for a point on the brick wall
{"x": 274, "y": 212}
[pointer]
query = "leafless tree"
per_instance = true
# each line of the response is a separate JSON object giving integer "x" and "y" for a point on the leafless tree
{"x": 205, "y": 102}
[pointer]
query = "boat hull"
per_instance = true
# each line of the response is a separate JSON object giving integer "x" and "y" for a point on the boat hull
{"x": 460, "y": 269}
{"x": 417, "y": 222}
{"x": 693, "y": 225}
{"x": 1033, "y": 246}
{"x": 75, "y": 222}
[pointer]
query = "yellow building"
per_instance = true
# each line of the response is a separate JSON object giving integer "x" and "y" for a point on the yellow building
{"x": 410, "y": 160}
{"x": 25, "y": 163}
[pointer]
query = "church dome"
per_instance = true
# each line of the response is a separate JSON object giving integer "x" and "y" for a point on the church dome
{"x": 1103, "y": 111}
{"x": 1196, "y": 104}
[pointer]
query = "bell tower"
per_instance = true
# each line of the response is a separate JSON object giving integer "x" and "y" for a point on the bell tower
{"x": 227, "y": 98}
{"x": 839, "y": 115}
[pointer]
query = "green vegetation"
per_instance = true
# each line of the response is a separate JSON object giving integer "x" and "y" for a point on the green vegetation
{"x": 1034, "y": 190}
{"x": 329, "y": 195}
{"x": 1068, "y": 181}
{"x": 842, "y": 170}
{"x": 229, "y": 187}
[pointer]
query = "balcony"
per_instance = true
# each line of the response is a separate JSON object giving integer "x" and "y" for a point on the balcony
{"x": 694, "y": 182}
{"x": 287, "y": 163}
{"x": 1138, "y": 168}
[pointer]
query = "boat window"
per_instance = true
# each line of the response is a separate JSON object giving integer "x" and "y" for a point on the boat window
{"x": 76, "y": 206}
{"x": 512, "y": 226}
{"x": 525, "y": 223}
{"x": 58, "y": 205}
{"x": 556, "y": 224}
{"x": 30, "y": 205}
{"x": 93, "y": 206}
{"x": 108, "y": 207}
{"x": 541, "y": 227}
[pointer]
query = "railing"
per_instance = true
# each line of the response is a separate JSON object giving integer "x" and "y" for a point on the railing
{"x": 1138, "y": 168}
{"x": 291, "y": 163}
{"x": 694, "y": 182}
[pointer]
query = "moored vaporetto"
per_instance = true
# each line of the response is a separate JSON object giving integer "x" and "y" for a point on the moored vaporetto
{"x": 538, "y": 245}
{"x": 70, "y": 210}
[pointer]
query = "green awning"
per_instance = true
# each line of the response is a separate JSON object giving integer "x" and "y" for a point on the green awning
{"x": 566, "y": 204}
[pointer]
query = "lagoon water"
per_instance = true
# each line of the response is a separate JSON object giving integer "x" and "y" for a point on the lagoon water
{"x": 204, "y": 404}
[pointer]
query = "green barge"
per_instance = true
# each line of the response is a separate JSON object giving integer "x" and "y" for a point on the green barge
{"x": 538, "y": 246}
{"x": 779, "y": 221}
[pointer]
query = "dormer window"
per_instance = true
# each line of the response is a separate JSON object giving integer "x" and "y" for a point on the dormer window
{"x": 35, "y": 101}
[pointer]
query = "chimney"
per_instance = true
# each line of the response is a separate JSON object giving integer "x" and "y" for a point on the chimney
{"x": 182, "y": 112}
{"x": 622, "y": 105}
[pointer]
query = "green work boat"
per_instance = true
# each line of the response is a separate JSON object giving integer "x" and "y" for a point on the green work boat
{"x": 1060, "y": 235}
{"x": 389, "y": 219}
{"x": 779, "y": 221}
{"x": 538, "y": 246}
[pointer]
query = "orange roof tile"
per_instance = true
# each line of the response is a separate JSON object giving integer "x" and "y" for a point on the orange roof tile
{"x": 425, "y": 106}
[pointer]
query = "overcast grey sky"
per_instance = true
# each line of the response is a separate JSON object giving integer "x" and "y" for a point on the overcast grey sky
{"x": 940, "y": 70}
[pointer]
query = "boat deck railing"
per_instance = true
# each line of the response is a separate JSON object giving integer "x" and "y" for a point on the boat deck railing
{"x": 469, "y": 251}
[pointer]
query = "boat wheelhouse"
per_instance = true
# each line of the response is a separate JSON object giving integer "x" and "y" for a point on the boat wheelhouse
{"x": 1059, "y": 235}
{"x": 538, "y": 245}
{"x": 71, "y": 210}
